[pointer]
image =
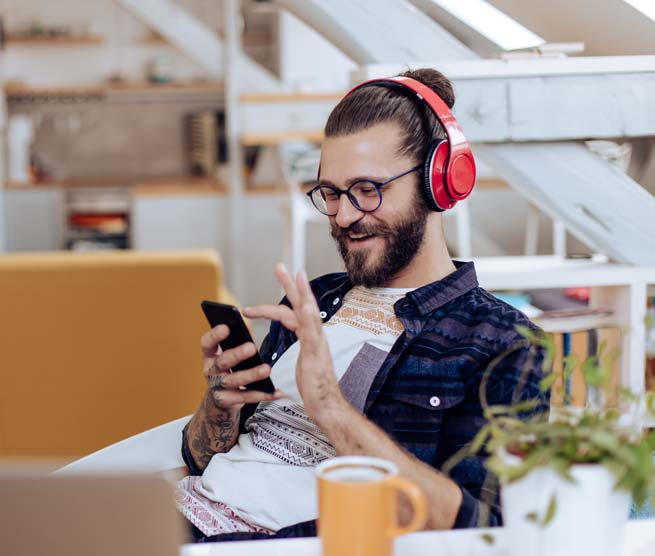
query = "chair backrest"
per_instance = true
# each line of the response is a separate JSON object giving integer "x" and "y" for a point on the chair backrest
{"x": 95, "y": 347}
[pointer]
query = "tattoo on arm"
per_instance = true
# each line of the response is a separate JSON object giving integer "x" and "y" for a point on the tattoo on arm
{"x": 215, "y": 432}
{"x": 200, "y": 447}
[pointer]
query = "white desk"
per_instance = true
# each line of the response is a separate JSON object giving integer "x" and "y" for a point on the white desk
{"x": 639, "y": 541}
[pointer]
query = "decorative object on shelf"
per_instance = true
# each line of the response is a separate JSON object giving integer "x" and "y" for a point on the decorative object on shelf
{"x": 205, "y": 141}
{"x": 567, "y": 477}
{"x": 160, "y": 69}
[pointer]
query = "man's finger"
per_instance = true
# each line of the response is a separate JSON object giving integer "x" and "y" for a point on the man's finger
{"x": 227, "y": 398}
{"x": 210, "y": 339}
{"x": 239, "y": 379}
{"x": 280, "y": 313}
{"x": 308, "y": 315}
{"x": 285, "y": 280}
{"x": 232, "y": 357}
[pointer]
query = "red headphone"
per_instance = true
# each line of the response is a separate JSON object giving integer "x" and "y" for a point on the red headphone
{"x": 449, "y": 166}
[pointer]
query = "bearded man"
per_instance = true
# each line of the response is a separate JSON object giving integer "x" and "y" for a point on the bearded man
{"x": 383, "y": 360}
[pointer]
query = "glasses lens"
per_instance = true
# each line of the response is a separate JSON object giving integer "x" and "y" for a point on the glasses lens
{"x": 326, "y": 200}
{"x": 368, "y": 196}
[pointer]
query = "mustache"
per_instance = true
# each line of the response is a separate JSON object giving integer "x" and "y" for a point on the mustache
{"x": 358, "y": 228}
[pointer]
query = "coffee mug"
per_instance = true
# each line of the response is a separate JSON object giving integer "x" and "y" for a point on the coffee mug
{"x": 358, "y": 506}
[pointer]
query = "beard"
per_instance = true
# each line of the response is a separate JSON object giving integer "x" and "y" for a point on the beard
{"x": 403, "y": 240}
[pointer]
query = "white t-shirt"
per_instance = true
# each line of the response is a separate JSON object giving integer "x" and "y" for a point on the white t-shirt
{"x": 266, "y": 481}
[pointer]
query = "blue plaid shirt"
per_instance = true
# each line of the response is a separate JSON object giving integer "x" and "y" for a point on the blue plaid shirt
{"x": 426, "y": 394}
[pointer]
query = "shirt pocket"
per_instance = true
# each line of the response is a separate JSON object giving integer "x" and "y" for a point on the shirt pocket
{"x": 419, "y": 416}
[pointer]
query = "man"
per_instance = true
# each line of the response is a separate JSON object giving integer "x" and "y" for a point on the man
{"x": 385, "y": 360}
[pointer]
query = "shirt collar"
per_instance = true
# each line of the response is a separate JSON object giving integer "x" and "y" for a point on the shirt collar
{"x": 426, "y": 298}
{"x": 435, "y": 295}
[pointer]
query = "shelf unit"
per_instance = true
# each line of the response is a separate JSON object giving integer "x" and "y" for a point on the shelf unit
{"x": 97, "y": 218}
{"x": 621, "y": 288}
{"x": 20, "y": 90}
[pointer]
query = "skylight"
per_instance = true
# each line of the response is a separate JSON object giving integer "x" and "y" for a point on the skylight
{"x": 490, "y": 22}
{"x": 646, "y": 7}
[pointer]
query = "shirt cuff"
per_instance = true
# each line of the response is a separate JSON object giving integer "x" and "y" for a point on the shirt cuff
{"x": 186, "y": 455}
{"x": 468, "y": 513}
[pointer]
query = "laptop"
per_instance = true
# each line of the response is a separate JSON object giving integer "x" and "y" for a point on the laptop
{"x": 88, "y": 515}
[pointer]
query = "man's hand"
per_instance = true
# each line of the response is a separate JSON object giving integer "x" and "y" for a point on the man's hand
{"x": 214, "y": 427}
{"x": 227, "y": 388}
{"x": 315, "y": 376}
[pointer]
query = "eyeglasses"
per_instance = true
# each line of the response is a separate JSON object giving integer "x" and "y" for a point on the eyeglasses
{"x": 365, "y": 195}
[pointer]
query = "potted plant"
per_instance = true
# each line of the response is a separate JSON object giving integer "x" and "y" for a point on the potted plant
{"x": 567, "y": 476}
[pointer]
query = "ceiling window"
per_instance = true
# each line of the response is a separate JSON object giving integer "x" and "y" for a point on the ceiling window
{"x": 490, "y": 22}
{"x": 646, "y": 7}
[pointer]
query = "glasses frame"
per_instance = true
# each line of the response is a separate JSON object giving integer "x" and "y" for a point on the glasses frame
{"x": 353, "y": 201}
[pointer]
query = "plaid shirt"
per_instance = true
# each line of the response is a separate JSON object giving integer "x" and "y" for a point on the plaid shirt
{"x": 426, "y": 394}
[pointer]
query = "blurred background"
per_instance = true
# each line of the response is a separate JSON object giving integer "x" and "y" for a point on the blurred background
{"x": 176, "y": 125}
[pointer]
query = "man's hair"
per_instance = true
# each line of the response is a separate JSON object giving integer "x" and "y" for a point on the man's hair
{"x": 377, "y": 104}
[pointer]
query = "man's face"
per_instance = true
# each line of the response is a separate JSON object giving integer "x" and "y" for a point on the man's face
{"x": 375, "y": 246}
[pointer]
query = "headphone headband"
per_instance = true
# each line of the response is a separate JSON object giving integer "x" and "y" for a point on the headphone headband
{"x": 459, "y": 172}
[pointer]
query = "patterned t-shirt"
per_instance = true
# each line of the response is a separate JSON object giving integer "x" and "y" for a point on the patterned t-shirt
{"x": 266, "y": 481}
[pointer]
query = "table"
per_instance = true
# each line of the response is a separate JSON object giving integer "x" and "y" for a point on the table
{"x": 639, "y": 541}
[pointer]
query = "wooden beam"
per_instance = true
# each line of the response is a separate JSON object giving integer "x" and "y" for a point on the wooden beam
{"x": 595, "y": 200}
{"x": 525, "y": 67}
{"x": 496, "y": 108}
{"x": 369, "y": 31}
{"x": 544, "y": 99}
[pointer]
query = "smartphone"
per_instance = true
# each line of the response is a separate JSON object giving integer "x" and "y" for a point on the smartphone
{"x": 220, "y": 313}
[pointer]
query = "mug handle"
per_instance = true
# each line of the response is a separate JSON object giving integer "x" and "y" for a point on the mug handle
{"x": 417, "y": 499}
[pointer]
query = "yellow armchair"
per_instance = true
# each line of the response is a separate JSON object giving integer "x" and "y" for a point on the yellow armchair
{"x": 95, "y": 347}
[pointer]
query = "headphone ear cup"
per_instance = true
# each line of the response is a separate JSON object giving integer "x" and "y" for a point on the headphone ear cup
{"x": 434, "y": 182}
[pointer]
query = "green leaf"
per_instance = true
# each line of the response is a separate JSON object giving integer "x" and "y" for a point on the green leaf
{"x": 488, "y": 538}
{"x": 480, "y": 439}
{"x": 547, "y": 382}
{"x": 527, "y": 333}
{"x": 606, "y": 440}
{"x": 550, "y": 511}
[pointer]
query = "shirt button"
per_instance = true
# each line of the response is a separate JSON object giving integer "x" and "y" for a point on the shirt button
{"x": 274, "y": 356}
{"x": 335, "y": 301}
{"x": 435, "y": 401}
{"x": 322, "y": 314}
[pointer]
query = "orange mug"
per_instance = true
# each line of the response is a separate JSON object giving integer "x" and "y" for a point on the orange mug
{"x": 358, "y": 506}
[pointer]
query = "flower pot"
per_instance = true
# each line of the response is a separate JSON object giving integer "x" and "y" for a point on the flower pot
{"x": 589, "y": 516}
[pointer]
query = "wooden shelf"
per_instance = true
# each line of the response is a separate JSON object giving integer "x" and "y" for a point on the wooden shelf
{"x": 179, "y": 182}
{"x": 258, "y": 98}
{"x": 272, "y": 139}
{"x": 172, "y": 87}
{"x": 18, "y": 90}
{"x": 52, "y": 40}
{"x": 151, "y": 187}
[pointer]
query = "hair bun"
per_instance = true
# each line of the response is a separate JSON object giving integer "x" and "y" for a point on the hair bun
{"x": 436, "y": 80}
